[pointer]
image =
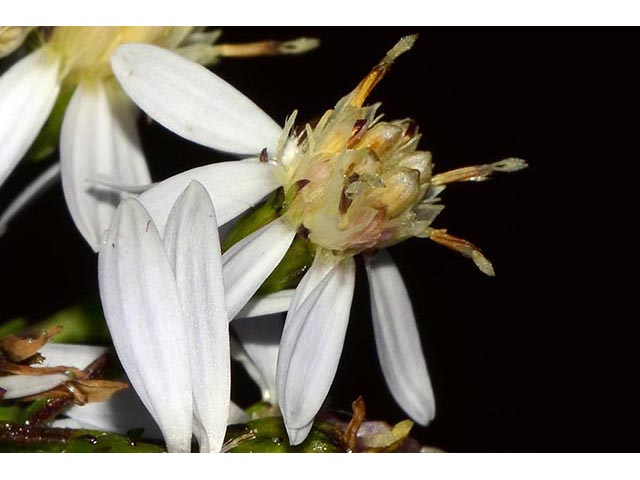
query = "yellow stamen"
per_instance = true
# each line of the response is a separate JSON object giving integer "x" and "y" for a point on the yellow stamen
{"x": 362, "y": 91}
{"x": 478, "y": 173}
{"x": 465, "y": 248}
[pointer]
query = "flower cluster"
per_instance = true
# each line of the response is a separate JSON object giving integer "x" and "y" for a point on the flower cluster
{"x": 352, "y": 184}
{"x": 99, "y": 141}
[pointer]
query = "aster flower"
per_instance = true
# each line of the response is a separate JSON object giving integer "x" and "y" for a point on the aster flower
{"x": 164, "y": 304}
{"x": 352, "y": 184}
{"x": 99, "y": 142}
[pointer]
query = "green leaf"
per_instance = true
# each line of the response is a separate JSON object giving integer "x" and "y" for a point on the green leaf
{"x": 21, "y": 438}
{"x": 268, "y": 435}
{"x": 13, "y": 326}
{"x": 83, "y": 323}
{"x": 11, "y": 413}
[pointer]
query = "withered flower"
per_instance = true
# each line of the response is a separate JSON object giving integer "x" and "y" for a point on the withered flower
{"x": 31, "y": 369}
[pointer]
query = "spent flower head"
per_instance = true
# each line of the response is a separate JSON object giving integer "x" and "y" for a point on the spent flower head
{"x": 354, "y": 181}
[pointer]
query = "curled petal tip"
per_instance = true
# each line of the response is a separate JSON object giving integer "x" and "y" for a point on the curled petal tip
{"x": 426, "y": 415}
{"x": 298, "y": 435}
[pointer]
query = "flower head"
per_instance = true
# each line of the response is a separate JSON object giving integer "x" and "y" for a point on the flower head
{"x": 98, "y": 136}
{"x": 352, "y": 184}
{"x": 355, "y": 181}
{"x": 99, "y": 141}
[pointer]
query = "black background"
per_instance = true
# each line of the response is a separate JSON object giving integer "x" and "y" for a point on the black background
{"x": 540, "y": 358}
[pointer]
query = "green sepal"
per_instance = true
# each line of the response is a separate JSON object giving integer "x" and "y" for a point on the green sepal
{"x": 296, "y": 261}
{"x": 254, "y": 219}
{"x": 291, "y": 268}
{"x": 262, "y": 409}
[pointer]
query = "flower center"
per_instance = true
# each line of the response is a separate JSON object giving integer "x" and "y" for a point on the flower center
{"x": 86, "y": 51}
{"x": 356, "y": 183}
{"x": 353, "y": 182}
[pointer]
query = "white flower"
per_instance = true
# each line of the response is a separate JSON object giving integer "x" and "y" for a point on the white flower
{"x": 99, "y": 141}
{"x": 164, "y": 303}
{"x": 352, "y": 184}
{"x": 99, "y": 137}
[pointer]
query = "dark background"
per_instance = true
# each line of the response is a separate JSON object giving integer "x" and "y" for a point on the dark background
{"x": 540, "y": 358}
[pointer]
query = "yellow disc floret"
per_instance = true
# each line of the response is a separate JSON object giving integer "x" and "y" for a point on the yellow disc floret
{"x": 353, "y": 181}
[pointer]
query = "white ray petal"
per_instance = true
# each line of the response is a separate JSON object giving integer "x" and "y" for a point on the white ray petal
{"x": 267, "y": 304}
{"x": 311, "y": 345}
{"x": 298, "y": 435}
{"x": 143, "y": 311}
{"x": 192, "y": 102}
{"x": 98, "y": 139}
{"x": 70, "y": 355}
{"x": 75, "y": 424}
{"x": 398, "y": 339}
{"x": 28, "y": 91}
{"x": 120, "y": 413}
{"x": 36, "y": 188}
{"x": 260, "y": 341}
{"x": 250, "y": 261}
{"x": 16, "y": 386}
{"x": 110, "y": 184}
{"x": 322, "y": 266}
{"x": 193, "y": 247}
{"x": 233, "y": 187}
